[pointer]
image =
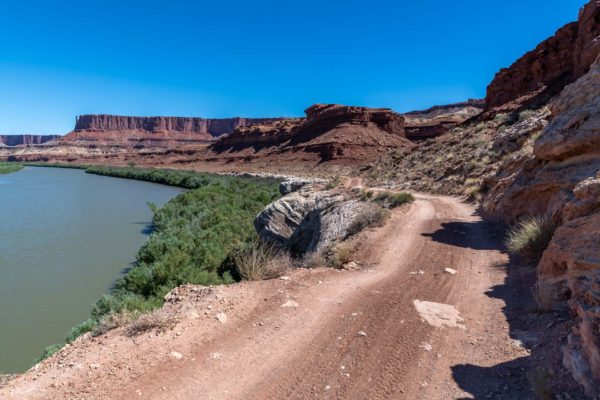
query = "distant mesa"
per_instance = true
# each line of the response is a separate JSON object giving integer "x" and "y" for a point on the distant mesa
{"x": 328, "y": 132}
{"x": 117, "y": 130}
{"x": 25, "y": 140}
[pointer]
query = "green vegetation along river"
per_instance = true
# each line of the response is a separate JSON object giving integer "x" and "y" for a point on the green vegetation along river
{"x": 65, "y": 237}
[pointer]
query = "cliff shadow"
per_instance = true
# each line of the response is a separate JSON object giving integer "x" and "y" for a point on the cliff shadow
{"x": 539, "y": 335}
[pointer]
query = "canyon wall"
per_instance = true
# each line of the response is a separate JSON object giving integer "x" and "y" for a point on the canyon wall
{"x": 24, "y": 140}
{"x": 561, "y": 179}
{"x": 215, "y": 127}
{"x": 554, "y": 63}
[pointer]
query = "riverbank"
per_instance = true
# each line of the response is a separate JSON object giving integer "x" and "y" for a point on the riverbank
{"x": 193, "y": 237}
{"x": 9, "y": 168}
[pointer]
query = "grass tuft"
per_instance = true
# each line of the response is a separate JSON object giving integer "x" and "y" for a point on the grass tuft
{"x": 530, "y": 237}
{"x": 262, "y": 261}
{"x": 370, "y": 215}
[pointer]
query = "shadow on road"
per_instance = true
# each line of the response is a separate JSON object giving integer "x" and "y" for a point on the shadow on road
{"x": 542, "y": 334}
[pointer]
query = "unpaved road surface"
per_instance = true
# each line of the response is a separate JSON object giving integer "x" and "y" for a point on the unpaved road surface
{"x": 320, "y": 334}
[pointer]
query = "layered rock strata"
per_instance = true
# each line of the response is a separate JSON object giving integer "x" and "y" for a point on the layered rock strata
{"x": 562, "y": 179}
{"x": 554, "y": 63}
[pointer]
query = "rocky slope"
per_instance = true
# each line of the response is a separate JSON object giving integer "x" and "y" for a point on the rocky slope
{"x": 26, "y": 140}
{"x": 554, "y": 63}
{"x": 562, "y": 179}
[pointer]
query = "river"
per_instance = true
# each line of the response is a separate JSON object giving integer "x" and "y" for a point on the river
{"x": 65, "y": 237}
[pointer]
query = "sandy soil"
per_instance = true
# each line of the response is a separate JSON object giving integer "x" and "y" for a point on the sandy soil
{"x": 320, "y": 333}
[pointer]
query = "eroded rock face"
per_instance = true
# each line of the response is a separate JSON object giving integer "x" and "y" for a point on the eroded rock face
{"x": 561, "y": 177}
{"x": 329, "y": 132}
{"x": 574, "y": 129}
{"x": 554, "y": 63}
{"x": 25, "y": 140}
{"x": 307, "y": 221}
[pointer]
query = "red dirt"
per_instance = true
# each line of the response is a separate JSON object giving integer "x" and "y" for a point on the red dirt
{"x": 316, "y": 350}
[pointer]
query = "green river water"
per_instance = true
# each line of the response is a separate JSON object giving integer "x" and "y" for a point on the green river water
{"x": 65, "y": 237}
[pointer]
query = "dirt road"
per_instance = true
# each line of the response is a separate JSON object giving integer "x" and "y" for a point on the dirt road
{"x": 321, "y": 334}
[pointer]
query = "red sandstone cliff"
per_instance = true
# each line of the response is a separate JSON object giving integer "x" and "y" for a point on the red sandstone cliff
{"x": 554, "y": 63}
{"x": 125, "y": 131}
{"x": 329, "y": 132}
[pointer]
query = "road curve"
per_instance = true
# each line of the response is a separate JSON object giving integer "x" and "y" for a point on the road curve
{"x": 347, "y": 335}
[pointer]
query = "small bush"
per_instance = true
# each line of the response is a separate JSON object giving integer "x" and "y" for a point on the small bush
{"x": 314, "y": 259}
{"x": 371, "y": 215}
{"x": 393, "y": 200}
{"x": 341, "y": 254}
{"x": 115, "y": 320}
{"x": 530, "y": 237}
{"x": 526, "y": 114}
{"x": 154, "y": 321}
{"x": 261, "y": 261}
{"x": 474, "y": 193}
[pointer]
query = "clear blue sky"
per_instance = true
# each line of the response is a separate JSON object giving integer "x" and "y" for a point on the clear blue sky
{"x": 256, "y": 58}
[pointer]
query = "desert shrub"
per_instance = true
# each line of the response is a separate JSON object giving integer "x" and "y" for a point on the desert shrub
{"x": 261, "y": 261}
{"x": 526, "y": 114}
{"x": 370, "y": 215}
{"x": 313, "y": 259}
{"x": 365, "y": 195}
{"x": 340, "y": 254}
{"x": 473, "y": 193}
{"x": 154, "y": 321}
{"x": 115, "y": 320}
{"x": 530, "y": 237}
{"x": 393, "y": 200}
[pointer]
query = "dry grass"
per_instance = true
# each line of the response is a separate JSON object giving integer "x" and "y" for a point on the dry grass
{"x": 393, "y": 200}
{"x": 261, "y": 261}
{"x": 314, "y": 259}
{"x": 371, "y": 215}
{"x": 340, "y": 254}
{"x": 115, "y": 320}
{"x": 155, "y": 321}
{"x": 530, "y": 237}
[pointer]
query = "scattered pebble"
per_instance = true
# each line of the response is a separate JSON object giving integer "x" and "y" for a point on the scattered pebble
{"x": 221, "y": 317}
{"x": 450, "y": 271}
{"x": 289, "y": 304}
{"x": 425, "y": 346}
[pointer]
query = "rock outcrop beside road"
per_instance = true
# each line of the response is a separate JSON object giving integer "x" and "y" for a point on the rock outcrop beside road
{"x": 307, "y": 220}
{"x": 562, "y": 179}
